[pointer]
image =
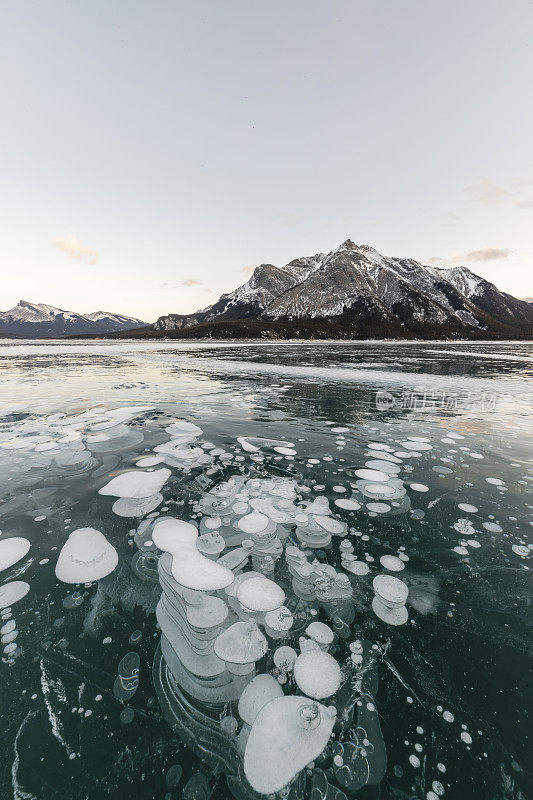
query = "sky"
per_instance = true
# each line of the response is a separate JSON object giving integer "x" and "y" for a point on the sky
{"x": 152, "y": 152}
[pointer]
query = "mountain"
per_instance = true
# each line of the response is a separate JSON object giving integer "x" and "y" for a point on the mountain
{"x": 37, "y": 320}
{"x": 354, "y": 292}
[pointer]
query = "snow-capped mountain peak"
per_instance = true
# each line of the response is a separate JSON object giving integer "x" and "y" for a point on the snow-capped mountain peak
{"x": 356, "y": 289}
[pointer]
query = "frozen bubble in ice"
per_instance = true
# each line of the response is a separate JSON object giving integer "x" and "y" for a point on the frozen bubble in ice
{"x": 149, "y": 461}
{"x": 467, "y": 508}
{"x": 288, "y": 733}
{"x": 419, "y": 487}
{"x": 127, "y": 715}
{"x": 260, "y": 594}
{"x": 12, "y": 592}
{"x": 375, "y": 475}
{"x": 320, "y": 633}
{"x": 284, "y": 658}
{"x": 86, "y": 556}
{"x": 329, "y": 524}
{"x": 356, "y": 567}
{"x": 241, "y": 643}
{"x": 494, "y": 481}
{"x": 348, "y": 504}
{"x": 285, "y": 451}
{"x": 493, "y": 527}
{"x": 73, "y": 600}
{"x": 317, "y": 674}
{"x": 389, "y": 601}
{"x": 253, "y": 523}
{"x": 8, "y": 627}
{"x": 392, "y": 563}
{"x": 378, "y": 508}
{"x": 136, "y": 484}
{"x": 189, "y": 567}
{"x": 381, "y": 490}
{"x": 173, "y": 776}
{"x": 197, "y": 788}
{"x": 260, "y": 691}
{"x": 12, "y": 550}
{"x": 383, "y": 466}
{"x": 127, "y": 680}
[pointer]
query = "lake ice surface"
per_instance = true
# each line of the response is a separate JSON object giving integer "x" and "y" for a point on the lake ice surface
{"x": 80, "y": 705}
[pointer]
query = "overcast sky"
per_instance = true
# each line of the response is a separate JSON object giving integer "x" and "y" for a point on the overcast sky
{"x": 152, "y": 151}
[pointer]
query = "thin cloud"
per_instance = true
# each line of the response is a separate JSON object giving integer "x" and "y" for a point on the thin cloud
{"x": 490, "y": 193}
{"x": 75, "y": 248}
{"x": 488, "y": 254}
{"x": 248, "y": 269}
{"x": 185, "y": 284}
{"x": 289, "y": 219}
{"x": 483, "y": 254}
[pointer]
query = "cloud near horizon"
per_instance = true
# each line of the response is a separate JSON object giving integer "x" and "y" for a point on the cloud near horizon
{"x": 491, "y": 193}
{"x": 488, "y": 254}
{"x": 483, "y": 254}
{"x": 189, "y": 282}
{"x": 75, "y": 248}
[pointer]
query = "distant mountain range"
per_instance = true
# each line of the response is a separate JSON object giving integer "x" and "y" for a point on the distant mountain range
{"x": 38, "y": 321}
{"x": 353, "y": 292}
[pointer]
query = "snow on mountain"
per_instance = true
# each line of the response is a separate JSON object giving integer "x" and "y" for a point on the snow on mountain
{"x": 96, "y": 316}
{"x": 35, "y": 320}
{"x": 355, "y": 288}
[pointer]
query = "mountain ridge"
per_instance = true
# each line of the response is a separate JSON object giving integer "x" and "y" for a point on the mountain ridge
{"x": 39, "y": 320}
{"x": 354, "y": 291}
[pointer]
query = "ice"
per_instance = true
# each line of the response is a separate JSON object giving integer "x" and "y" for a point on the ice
{"x": 320, "y": 585}
{"x": 86, "y": 556}
{"x": 12, "y": 550}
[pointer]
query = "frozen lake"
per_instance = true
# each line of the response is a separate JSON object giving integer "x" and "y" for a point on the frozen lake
{"x": 422, "y": 454}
